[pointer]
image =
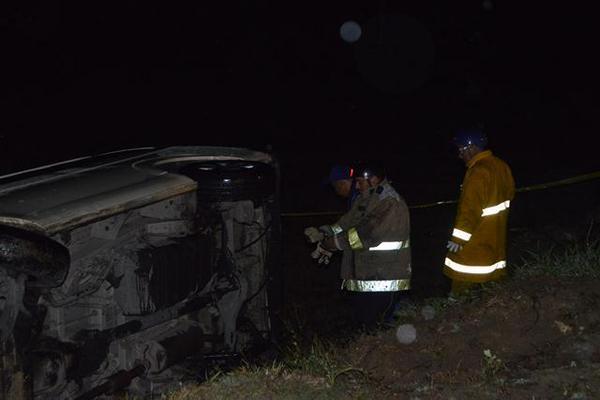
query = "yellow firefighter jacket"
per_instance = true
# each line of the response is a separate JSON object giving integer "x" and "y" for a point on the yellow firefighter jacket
{"x": 481, "y": 221}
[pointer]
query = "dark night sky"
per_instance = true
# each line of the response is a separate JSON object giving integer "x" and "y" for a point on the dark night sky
{"x": 81, "y": 78}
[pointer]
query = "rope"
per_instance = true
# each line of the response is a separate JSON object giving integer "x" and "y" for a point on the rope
{"x": 541, "y": 186}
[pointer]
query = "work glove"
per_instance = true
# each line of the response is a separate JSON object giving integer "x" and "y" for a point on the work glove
{"x": 453, "y": 246}
{"x": 326, "y": 230}
{"x": 321, "y": 254}
{"x": 313, "y": 234}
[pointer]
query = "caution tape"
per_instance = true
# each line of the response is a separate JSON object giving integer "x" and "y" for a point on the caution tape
{"x": 311, "y": 214}
{"x": 541, "y": 186}
{"x": 562, "y": 182}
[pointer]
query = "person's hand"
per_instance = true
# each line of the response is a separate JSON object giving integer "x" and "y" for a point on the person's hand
{"x": 313, "y": 234}
{"x": 327, "y": 230}
{"x": 453, "y": 246}
{"x": 321, "y": 254}
{"x": 328, "y": 243}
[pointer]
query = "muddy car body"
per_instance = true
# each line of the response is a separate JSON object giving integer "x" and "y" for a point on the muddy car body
{"x": 117, "y": 267}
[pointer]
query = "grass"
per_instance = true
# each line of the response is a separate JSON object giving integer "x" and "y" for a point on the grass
{"x": 570, "y": 260}
{"x": 308, "y": 368}
{"x": 250, "y": 382}
{"x": 311, "y": 376}
{"x": 491, "y": 365}
{"x": 318, "y": 360}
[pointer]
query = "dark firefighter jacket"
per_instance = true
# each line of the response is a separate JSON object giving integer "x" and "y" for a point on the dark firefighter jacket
{"x": 481, "y": 221}
{"x": 374, "y": 236}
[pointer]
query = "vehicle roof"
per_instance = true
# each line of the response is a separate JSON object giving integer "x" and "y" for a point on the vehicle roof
{"x": 64, "y": 195}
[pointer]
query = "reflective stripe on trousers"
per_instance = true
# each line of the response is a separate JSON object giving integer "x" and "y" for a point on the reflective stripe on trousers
{"x": 474, "y": 269}
{"x": 394, "y": 285}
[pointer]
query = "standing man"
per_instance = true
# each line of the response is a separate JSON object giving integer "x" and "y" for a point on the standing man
{"x": 477, "y": 248}
{"x": 374, "y": 238}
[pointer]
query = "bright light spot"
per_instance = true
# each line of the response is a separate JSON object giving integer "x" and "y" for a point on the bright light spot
{"x": 487, "y": 5}
{"x": 428, "y": 312}
{"x": 406, "y": 333}
{"x": 350, "y": 31}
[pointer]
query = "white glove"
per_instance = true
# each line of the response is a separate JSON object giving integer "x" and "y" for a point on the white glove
{"x": 313, "y": 234}
{"x": 321, "y": 255}
{"x": 453, "y": 246}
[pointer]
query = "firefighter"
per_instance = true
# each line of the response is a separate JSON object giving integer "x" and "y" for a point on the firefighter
{"x": 477, "y": 247}
{"x": 374, "y": 239}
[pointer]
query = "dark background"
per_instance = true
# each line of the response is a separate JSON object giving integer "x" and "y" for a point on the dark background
{"x": 85, "y": 77}
{"x": 82, "y": 78}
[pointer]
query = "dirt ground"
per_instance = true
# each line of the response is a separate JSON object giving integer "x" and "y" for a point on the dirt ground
{"x": 533, "y": 338}
{"x": 523, "y": 339}
{"x": 520, "y": 340}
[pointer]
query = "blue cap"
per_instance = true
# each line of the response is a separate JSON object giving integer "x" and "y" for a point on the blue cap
{"x": 340, "y": 172}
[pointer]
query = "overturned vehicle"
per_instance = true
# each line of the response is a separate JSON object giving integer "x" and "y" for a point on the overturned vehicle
{"x": 116, "y": 268}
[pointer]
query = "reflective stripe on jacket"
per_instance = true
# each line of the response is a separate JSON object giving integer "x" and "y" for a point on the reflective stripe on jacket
{"x": 481, "y": 221}
{"x": 374, "y": 236}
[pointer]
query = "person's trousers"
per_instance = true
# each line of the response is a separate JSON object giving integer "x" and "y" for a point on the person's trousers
{"x": 371, "y": 308}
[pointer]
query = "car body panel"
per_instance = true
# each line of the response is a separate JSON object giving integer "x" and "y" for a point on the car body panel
{"x": 83, "y": 191}
{"x": 129, "y": 262}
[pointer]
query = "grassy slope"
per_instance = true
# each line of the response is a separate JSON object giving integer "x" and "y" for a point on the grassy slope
{"x": 555, "y": 288}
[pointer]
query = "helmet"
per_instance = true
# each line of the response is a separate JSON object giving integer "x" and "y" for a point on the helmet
{"x": 340, "y": 172}
{"x": 467, "y": 137}
{"x": 367, "y": 170}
